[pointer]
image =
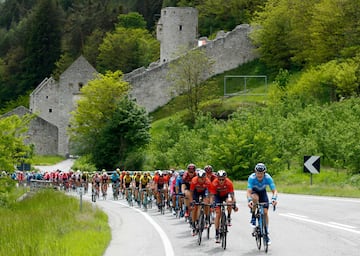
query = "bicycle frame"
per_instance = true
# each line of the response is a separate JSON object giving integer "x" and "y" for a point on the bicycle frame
{"x": 223, "y": 227}
{"x": 261, "y": 231}
{"x": 201, "y": 219}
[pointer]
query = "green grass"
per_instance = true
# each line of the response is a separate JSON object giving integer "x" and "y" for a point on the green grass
{"x": 50, "y": 223}
{"x": 46, "y": 160}
{"x": 327, "y": 183}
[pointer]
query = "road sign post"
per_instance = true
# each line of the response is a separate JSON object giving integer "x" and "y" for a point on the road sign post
{"x": 312, "y": 165}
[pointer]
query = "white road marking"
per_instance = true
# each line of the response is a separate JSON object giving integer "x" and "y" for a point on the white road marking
{"x": 297, "y": 215}
{"x": 328, "y": 224}
{"x": 341, "y": 225}
{"x": 169, "y": 251}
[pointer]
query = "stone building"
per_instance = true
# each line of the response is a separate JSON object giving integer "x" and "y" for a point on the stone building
{"x": 53, "y": 100}
{"x": 42, "y": 133}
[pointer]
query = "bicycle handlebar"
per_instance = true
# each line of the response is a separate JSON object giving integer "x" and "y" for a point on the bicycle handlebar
{"x": 265, "y": 203}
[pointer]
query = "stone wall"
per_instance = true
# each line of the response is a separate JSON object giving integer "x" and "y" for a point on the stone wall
{"x": 229, "y": 50}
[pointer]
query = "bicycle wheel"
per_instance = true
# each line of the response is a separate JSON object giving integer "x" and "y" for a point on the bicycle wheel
{"x": 265, "y": 235}
{"x": 145, "y": 200}
{"x": 201, "y": 226}
{"x": 208, "y": 227}
{"x": 257, "y": 235}
{"x": 93, "y": 197}
{"x": 162, "y": 203}
{"x": 223, "y": 230}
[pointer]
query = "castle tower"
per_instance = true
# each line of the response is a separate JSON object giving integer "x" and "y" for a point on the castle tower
{"x": 177, "y": 29}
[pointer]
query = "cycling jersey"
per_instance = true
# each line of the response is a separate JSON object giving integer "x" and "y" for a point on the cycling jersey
{"x": 137, "y": 180}
{"x": 222, "y": 190}
{"x": 144, "y": 181}
{"x": 187, "y": 177}
{"x": 258, "y": 186}
{"x": 199, "y": 189}
{"x": 127, "y": 180}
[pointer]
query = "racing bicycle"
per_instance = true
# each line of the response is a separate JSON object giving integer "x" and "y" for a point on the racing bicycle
{"x": 261, "y": 230}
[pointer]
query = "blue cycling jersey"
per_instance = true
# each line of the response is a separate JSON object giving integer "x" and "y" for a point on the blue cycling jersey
{"x": 178, "y": 181}
{"x": 258, "y": 186}
{"x": 114, "y": 177}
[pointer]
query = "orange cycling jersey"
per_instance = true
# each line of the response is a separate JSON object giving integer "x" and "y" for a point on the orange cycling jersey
{"x": 222, "y": 189}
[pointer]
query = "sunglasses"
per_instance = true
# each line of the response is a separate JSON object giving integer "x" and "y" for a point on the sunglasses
{"x": 221, "y": 179}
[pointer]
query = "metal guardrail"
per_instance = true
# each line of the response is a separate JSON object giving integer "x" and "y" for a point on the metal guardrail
{"x": 40, "y": 184}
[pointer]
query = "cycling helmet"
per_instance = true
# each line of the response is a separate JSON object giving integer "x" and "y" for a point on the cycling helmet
{"x": 201, "y": 174}
{"x": 260, "y": 167}
{"x": 160, "y": 173}
{"x": 208, "y": 168}
{"x": 191, "y": 166}
{"x": 221, "y": 173}
{"x": 181, "y": 172}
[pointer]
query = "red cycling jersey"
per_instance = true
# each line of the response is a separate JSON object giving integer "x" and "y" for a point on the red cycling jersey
{"x": 222, "y": 189}
{"x": 200, "y": 187}
{"x": 160, "y": 180}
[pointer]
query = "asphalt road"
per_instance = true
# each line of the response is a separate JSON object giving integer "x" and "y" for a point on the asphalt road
{"x": 301, "y": 225}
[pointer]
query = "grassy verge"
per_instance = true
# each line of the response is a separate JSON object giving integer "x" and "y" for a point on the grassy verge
{"x": 47, "y": 160}
{"x": 50, "y": 223}
{"x": 327, "y": 183}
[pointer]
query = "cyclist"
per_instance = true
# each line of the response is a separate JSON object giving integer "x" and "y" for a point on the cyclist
{"x": 104, "y": 182}
{"x": 136, "y": 179}
{"x": 179, "y": 195}
{"x": 256, "y": 192}
{"x": 172, "y": 192}
{"x": 222, "y": 190}
{"x": 144, "y": 185}
{"x": 127, "y": 182}
{"x": 161, "y": 185}
{"x": 115, "y": 181}
{"x": 210, "y": 173}
{"x": 199, "y": 187}
{"x": 185, "y": 186}
{"x": 122, "y": 175}
{"x": 96, "y": 183}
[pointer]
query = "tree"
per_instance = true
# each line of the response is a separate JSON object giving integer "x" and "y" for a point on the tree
{"x": 12, "y": 147}
{"x": 187, "y": 73}
{"x": 129, "y": 47}
{"x": 95, "y": 108}
{"x": 43, "y": 45}
{"x": 125, "y": 133}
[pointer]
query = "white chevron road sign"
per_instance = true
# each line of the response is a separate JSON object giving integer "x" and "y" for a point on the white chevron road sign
{"x": 312, "y": 164}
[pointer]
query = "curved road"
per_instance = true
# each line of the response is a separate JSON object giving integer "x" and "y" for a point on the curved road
{"x": 301, "y": 225}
